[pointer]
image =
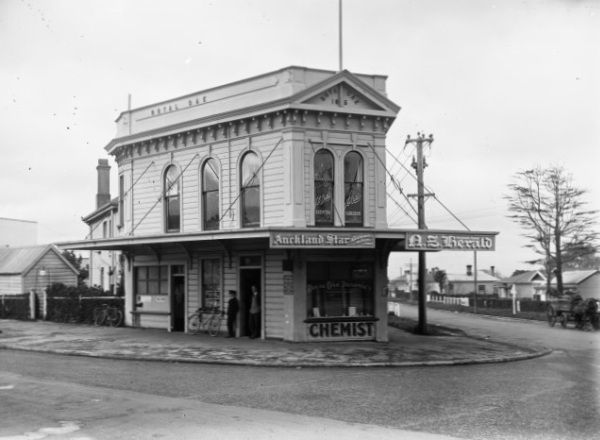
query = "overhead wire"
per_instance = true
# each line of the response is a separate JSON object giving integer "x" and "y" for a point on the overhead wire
{"x": 253, "y": 177}
{"x": 396, "y": 185}
{"x": 429, "y": 191}
{"x": 162, "y": 194}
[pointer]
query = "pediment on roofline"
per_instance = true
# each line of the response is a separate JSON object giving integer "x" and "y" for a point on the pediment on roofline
{"x": 344, "y": 92}
{"x": 344, "y": 97}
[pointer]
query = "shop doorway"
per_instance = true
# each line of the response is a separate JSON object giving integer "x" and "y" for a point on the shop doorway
{"x": 248, "y": 277}
{"x": 177, "y": 298}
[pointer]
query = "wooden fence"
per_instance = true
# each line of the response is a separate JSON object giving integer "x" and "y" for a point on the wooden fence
{"x": 17, "y": 306}
{"x": 31, "y": 306}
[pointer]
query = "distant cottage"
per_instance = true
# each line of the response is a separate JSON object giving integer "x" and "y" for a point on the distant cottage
{"x": 582, "y": 282}
{"x": 33, "y": 268}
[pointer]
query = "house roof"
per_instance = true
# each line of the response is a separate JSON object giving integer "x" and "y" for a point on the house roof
{"x": 399, "y": 279}
{"x": 102, "y": 211}
{"x": 15, "y": 261}
{"x": 525, "y": 277}
{"x": 576, "y": 276}
{"x": 482, "y": 276}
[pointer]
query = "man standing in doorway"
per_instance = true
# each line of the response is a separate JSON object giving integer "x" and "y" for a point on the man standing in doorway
{"x": 255, "y": 313}
{"x": 232, "y": 311}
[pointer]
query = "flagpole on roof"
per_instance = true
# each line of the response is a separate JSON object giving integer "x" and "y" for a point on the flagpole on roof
{"x": 129, "y": 110}
{"x": 340, "y": 33}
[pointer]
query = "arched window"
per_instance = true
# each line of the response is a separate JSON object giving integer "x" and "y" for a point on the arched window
{"x": 250, "y": 190}
{"x": 210, "y": 195}
{"x": 324, "y": 188}
{"x": 353, "y": 189}
{"x": 171, "y": 199}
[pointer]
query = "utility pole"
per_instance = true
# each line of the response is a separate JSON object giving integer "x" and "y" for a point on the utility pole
{"x": 474, "y": 281}
{"x": 419, "y": 166}
{"x": 410, "y": 275}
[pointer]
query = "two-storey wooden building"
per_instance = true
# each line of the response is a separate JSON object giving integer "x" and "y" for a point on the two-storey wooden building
{"x": 276, "y": 181}
{"x": 104, "y": 265}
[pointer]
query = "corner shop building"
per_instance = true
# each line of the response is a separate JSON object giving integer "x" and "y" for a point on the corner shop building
{"x": 277, "y": 181}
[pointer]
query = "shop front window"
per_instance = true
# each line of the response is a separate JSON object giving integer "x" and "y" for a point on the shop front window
{"x": 353, "y": 189}
{"x": 324, "y": 187}
{"x": 210, "y": 195}
{"x": 211, "y": 283}
{"x": 250, "y": 191}
{"x": 340, "y": 289}
{"x": 152, "y": 280}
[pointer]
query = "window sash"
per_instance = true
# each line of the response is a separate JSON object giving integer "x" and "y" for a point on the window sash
{"x": 324, "y": 202}
{"x": 121, "y": 200}
{"x": 210, "y": 210}
{"x": 250, "y": 191}
{"x": 324, "y": 188}
{"x": 353, "y": 189}
{"x": 172, "y": 213}
{"x": 353, "y": 204}
{"x": 250, "y": 206}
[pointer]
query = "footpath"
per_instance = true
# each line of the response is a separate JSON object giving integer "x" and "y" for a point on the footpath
{"x": 404, "y": 349}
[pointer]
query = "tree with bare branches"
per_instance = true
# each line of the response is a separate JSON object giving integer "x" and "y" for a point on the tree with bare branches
{"x": 560, "y": 229}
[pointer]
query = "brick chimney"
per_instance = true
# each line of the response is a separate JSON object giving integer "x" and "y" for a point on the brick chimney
{"x": 103, "y": 195}
{"x": 493, "y": 270}
{"x": 469, "y": 270}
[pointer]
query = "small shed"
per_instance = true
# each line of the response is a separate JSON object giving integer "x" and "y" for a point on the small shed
{"x": 583, "y": 282}
{"x": 23, "y": 269}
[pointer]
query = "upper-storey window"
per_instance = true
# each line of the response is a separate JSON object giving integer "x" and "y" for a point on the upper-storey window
{"x": 250, "y": 190}
{"x": 324, "y": 188}
{"x": 171, "y": 198}
{"x": 210, "y": 195}
{"x": 121, "y": 200}
{"x": 353, "y": 189}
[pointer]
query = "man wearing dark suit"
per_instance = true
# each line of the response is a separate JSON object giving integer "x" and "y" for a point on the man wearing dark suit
{"x": 233, "y": 307}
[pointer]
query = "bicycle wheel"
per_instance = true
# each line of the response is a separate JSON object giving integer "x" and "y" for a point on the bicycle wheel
{"x": 114, "y": 317}
{"x": 57, "y": 315}
{"x": 100, "y": 317}
{"x": 214, "y": 326}
{"x": 96, "y": 315}
{"x": 194, "y": 323}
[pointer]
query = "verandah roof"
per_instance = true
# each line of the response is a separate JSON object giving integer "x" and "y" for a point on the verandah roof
{"x": 394, "y": 239}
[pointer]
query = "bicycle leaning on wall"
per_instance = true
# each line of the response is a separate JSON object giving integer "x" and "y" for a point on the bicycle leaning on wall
{"x": 108, "y": 315}
{"x": 206, "y": 319}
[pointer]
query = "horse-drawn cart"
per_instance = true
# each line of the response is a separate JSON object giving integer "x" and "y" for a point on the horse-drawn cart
{"x": 583, "y": 312}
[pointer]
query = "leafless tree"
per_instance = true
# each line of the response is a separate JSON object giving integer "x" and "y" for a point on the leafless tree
{"x": 544, "y": 202}
{"x": 440, "y": 277}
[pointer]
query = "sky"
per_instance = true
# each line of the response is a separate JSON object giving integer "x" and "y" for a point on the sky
{"x": 503, "y": 86}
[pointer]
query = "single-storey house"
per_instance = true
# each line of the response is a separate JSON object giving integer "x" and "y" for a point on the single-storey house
{"x": 408, "y": 282}
{"x": 29, "y": 268}
{"x": 464, "y": 283}
{"x": 529, "y": 284}
{"x": 583, "y": 282}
